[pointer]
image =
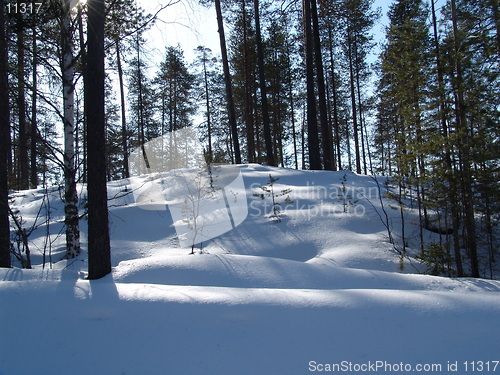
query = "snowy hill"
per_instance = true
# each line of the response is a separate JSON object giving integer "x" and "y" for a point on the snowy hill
{"x": 317, "y": 289}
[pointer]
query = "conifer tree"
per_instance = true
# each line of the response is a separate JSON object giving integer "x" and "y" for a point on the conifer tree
{"x": 263, "y": 89}
{"x": 4, "y": 148}
{"x": 174, "y": 86}
{"x": 23, "y": 146}
{"x": 124, "y": 20}
{"x": 98, "y": 235}
{"x": 206, "y": 81}
{"x": 229, "y": 88}
{"x": 312, "y": 119}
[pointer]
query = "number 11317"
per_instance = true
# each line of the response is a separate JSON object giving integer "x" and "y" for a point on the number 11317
{"x": 481, "y": 366}
{"x": 22, "y": 8}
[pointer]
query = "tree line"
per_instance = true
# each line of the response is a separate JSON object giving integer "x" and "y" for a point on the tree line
{"x": 294, "y": 85}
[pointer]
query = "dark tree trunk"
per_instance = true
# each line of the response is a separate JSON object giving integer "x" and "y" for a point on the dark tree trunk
{"x": 126, "y": 173}
{"x": 249, "y": 120}
{"x": 23, "y": 178}
{"x": 209, "y": 116}
{"x": 33, "y": 135}
{"x": 98, "y": 232}
{"x": 326, "y": 133}
{"x": 292, "y": 113}
{"x": 229, "y": 89}
{"x": 336, "y": 125}
{"x": 263, "y": 89}
{"x": 360, "y": 107}
{"x": 83, "y": 57}
{"x": 353, "y": 103}
{"x": 4, "y": 149}
{"x": 312, "y": 121}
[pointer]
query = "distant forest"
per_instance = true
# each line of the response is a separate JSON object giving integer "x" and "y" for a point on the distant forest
{"x": 291, "y": 86}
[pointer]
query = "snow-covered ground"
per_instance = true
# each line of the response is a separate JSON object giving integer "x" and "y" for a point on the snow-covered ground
{"x": 319, "y": 291}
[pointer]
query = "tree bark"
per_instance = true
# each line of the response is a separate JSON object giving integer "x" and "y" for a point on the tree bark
{"x": 263, "y": 89}
{"x": 336, "y": 126}
{"x": 83, "y": 59}
{"x": 5, "y": 141}
{"x": 207, "y": 103}
{"x": 34, "y": 125}
{"x": 229, "y": 89}
{"x": 312, "y": 121}
{"x": 326, "y": 132}
{"x": 249, "y": 118}
{"x": 70, "y": 193}
{"x": 98, "y": 237}
{"x": 126, "y": 172}
{"x": 23, "y": 177}
{"x": 353, "y": 103}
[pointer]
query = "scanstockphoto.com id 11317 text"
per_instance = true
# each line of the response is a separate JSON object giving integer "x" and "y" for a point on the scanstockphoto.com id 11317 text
{"x": 386, "y": 367}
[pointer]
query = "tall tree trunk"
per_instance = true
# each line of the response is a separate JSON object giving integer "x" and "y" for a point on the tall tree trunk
{"x": 353, "y": 102}
{"x": 326, "y": 133}
{"x": 249, "y": 119}
{"x": 5, "y": 141}
{"x": 229, "y": 90}
{"x": 464, "y": 149}
{"x": 360, "y": 106}
{"x": 23, "y": 178}
{"x": 34, "y": 125}
{"x": 126, "y": 172}
{"x": 312, "y": 120}
{"x": 99, "y": 241}
{"x": 263, "y": 89}
{"x": 140, "y": 108}
{"x": 70, "y": 193}
{"x": 207, "y": 103}
{"x": 292, "y": 111}
{"x": 336, "y": 126}
{"x": 83, "y": 59}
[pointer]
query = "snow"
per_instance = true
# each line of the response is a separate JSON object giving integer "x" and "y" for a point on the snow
{"x": 319, "y": 289}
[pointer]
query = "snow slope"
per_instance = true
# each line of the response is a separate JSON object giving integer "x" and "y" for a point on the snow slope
{"x": 320, "y": 289}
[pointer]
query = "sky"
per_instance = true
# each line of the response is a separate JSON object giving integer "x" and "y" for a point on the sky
{"x": 189, "y": 24}
{"x": 185, "y": 23}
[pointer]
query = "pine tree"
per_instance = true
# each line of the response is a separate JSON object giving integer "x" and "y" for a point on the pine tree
{"x": 23, "y": 146}
{"x": 98, "y": 232}
{"x": 206, "y": 82}
{"x": 229, "y": 88}
{"x": 312, "y": 119}
{"x": 174, "y": 86}
{"x": 263, "y": 89}
{"x": 405, "y": 80}
{"x": 4, "y": 148}
{"x": 124, "y": 19}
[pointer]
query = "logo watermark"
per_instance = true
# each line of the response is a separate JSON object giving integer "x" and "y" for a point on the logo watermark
{"x": 204, "y": 200}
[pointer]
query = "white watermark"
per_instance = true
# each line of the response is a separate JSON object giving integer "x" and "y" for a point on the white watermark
{"x": 402, "y": 367}
{"x": 205, "y": 201}
{"x": 305, "y": 210}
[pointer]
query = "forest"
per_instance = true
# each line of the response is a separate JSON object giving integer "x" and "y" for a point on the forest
{"x": 294, "y": 85}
